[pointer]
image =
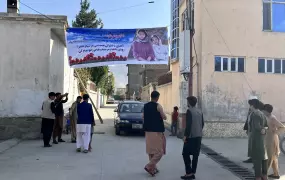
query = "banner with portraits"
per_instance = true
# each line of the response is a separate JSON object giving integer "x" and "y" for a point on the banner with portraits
{"x": 102, "y": 47}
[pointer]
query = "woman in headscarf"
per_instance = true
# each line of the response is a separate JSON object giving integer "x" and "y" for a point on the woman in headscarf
{"x": 142, "y": 48}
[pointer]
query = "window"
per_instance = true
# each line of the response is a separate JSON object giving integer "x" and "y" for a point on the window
{"x": 231, "y": 64}
{"x": 131, "y": 108}
{"x": 174, "y": 53}
{"x": 276, "y": 66}
{"x": 274, "y": 15}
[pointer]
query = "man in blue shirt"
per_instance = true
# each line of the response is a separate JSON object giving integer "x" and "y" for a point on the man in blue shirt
{"x": 84, "y": 122}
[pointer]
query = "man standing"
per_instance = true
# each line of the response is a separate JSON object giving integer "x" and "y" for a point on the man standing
{"x": 73, "y": 118}
{"x": 272, "y": 140}
{"x": 48, "y": 119}
{"x": 84, "y": 122}
{"x": 192, "y": 138}
{"x": 249, "y": 160}
{"x": 154, "y": 132}
{"x": 59, "y": 113}
{"x": 257, "y": 129}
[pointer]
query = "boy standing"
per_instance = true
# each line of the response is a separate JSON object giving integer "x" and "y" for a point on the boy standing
{"x": 174, "y": 121}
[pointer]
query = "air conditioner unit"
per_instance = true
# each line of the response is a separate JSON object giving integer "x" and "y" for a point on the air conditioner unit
{"x": 184, "y": 51}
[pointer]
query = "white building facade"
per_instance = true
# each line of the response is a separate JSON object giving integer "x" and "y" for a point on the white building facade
{"x": 33, "y": 62}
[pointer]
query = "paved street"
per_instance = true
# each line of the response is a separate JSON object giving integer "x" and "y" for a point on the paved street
{"x": 239, "y": 146}
{"x": 113, "y": 158}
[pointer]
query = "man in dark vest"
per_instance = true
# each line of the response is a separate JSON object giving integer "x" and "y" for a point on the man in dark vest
{"x": 59, "y": 112}
{"x": 192, "y": 138}
{"x": 154, "y": 132}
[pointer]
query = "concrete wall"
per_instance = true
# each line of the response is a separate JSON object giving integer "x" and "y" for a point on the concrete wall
{"x": 147, "y": 90}
{"x": 225, "y": 94}
{"x": 33, "y": 62}
{"x": 24, "y": 71}
{"x": 232, "y": 28}
{"x": 165, "y": 91}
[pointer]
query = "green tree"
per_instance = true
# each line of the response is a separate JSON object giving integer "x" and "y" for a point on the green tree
{"x": 85, "y": 76}
{"x": 98, "y": 74}
{"x": 87, "y": 18}
{"x": 108, "y": 85}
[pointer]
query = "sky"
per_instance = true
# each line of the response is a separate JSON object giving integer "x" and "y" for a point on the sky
{"x": 144, "y": 15}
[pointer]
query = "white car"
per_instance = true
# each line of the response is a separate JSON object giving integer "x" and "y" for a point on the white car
{"x": 111, "y": 101}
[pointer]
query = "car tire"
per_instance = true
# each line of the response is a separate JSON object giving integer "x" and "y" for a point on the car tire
{"x": 118, "y": 131}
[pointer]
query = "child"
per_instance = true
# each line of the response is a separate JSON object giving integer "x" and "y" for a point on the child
{"x": 160, "y": 50}
{"x": 67, "y": 126}
{"x": 174, "y": 121}
{"x": 142, "y": 48}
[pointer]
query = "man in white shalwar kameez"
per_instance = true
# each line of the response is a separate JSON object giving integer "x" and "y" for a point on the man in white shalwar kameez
{"x": 84, "y": 122}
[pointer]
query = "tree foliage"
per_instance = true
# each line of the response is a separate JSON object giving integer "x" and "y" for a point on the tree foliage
{"x": 108, "y": 85}
{"x": 87, "y": 18}
{"x": 98, "y": 74}
{"x": 85, "y": 76}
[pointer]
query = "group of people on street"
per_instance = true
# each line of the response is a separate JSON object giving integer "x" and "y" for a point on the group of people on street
{"x": 154, "y": 115}
{"x": 262, "y": 128}
{"x": 81, "y": 119}
{"x": 52, "y": 118}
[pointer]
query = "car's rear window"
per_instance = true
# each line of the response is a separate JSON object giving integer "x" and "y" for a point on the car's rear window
{"x": 131, "y": 107}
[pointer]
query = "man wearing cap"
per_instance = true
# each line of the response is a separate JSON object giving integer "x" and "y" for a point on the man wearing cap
{"x": 249, "y": 160}
{"x": 85, "y": 120}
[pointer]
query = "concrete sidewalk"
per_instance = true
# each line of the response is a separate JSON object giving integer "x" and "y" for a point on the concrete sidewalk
{"x": 113, "y": 158}
{"x": 236, "y": 150}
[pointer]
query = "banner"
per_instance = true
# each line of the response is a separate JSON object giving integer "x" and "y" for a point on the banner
{"x": 102, "y": 47}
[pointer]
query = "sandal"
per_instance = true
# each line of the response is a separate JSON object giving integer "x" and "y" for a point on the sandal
{"x": 273, "y": 176}
{"x": 156, "y": 171}
{"x": 149, "y": 172}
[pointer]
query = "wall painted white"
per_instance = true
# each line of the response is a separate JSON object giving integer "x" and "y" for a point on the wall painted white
{"x": 33, "y": 62}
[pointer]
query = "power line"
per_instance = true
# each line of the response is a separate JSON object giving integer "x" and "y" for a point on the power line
{"x": 35, "y": 10}
{"x": 223, "y": 41}
{"x": 127, "y": 7}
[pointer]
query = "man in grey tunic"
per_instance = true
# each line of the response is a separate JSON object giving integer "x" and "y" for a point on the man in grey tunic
{"x": 246, "y": 125}
{"x": 192, "y": 138}
{"x": 257, "y": 129}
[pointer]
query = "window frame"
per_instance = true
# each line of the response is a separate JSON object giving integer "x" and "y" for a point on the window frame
{"x": 174, "y": 48}
{"x": 229, "y": 65}
{"x": 273, "y": 65}
{"x": 271, "y": 2}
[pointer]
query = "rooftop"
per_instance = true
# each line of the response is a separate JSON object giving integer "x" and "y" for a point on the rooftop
{"x": 58, "y": 23}
{"x": 33, "y": 17}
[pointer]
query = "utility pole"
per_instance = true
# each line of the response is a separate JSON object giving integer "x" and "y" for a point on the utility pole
{"x": 190, "y": 14}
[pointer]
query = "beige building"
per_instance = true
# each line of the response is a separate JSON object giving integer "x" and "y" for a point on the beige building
{"x": 238, "y": 52}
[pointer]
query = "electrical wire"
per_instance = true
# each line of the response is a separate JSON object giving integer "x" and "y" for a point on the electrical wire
{"x": 35, "y": 10}
{"x": 123, "y": 8}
